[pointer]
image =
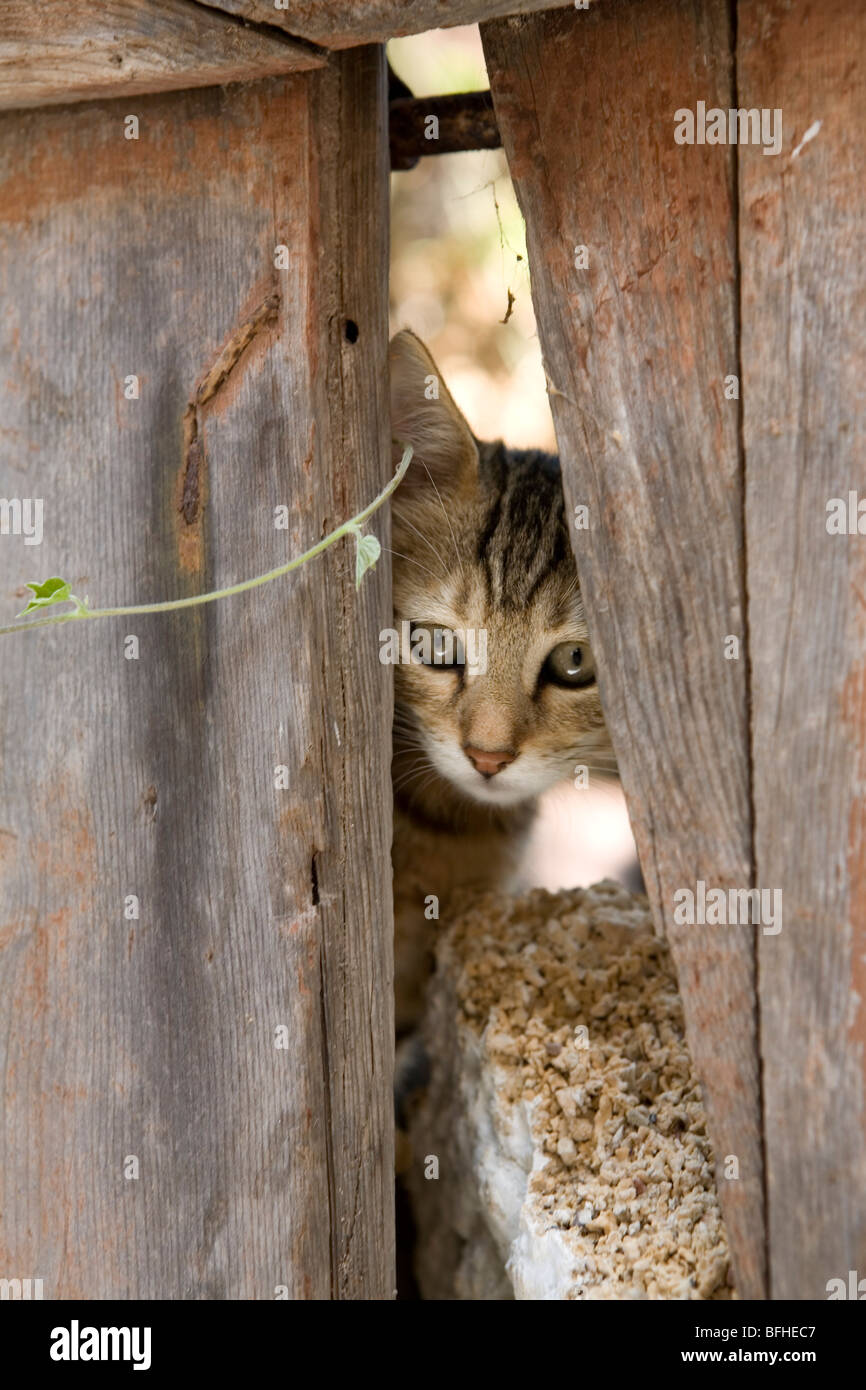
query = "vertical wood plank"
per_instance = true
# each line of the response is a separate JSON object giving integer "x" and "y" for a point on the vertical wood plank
{"x": 803, "y": 311}
{"x": 258, "y": 1167}
{"x": 637, "y": 347}
{"x": 350, "y": 120}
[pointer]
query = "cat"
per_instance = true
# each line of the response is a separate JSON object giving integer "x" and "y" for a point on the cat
{"x": 480, "y": 545}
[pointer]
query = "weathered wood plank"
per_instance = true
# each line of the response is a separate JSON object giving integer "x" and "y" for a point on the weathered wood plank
{"x": 260, "y": 908}
{"x": 61, "y": 52}
{"x": 344, "y": 23}
{"x": 804, "y": 312}
{"x": 637, "y": 346}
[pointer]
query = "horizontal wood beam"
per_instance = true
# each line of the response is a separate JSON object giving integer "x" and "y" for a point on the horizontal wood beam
{"x": 60, "y": 52}
{"x": 462, "y": 121}
{"x": 345, "y": 23}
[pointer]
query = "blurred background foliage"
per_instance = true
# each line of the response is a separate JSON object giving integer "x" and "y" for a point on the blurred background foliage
{"x": 459, "y": 246}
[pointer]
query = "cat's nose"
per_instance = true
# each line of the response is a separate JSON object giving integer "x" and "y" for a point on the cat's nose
{"x": 489, "y": 763}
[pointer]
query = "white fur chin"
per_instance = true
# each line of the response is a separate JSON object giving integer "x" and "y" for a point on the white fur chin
{"x": 523, "y": 780}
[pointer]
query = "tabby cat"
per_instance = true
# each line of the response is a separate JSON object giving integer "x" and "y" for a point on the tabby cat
{"x": 480, "y": 545}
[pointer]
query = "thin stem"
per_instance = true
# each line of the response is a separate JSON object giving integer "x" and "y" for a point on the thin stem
{"x": 347, "y": 528}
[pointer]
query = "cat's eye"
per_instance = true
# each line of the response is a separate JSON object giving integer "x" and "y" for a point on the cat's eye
{"x": 569, "y": 664}
{"x": 439, "y": 647}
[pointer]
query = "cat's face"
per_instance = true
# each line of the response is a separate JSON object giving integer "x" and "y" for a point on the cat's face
{"x": 481, "y": 548}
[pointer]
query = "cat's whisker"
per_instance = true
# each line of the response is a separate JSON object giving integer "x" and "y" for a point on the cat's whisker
{"x": 447, "y": 518}
{"x": 404, "y": 715}
{"x": 421, "y": 536}
{"x": 410, "y": 791}
{"x": 409, "y": 726}
{"x": 409, "y": 560}
{"x": 404, "y": 748}
{"x": 415, "y": 752}
{"x": 403, "y": 729}
{"x": 429, "y": 782}
{"x": 407, "y": 733}
{"x": 399, "y": 787}
{"x": 410, "y": 776}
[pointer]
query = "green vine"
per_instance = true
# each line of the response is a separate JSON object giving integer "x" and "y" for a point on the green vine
{"x": 367, "y": 552}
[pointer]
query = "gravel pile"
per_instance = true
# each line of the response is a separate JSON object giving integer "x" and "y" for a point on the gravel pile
{"x": 563, "y": 1112}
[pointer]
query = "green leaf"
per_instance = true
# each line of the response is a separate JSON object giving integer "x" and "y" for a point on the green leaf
{"x": 45, "y": 594}
{"x": 367, "y": 553}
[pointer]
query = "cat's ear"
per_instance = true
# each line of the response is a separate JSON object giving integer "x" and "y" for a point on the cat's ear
{"x": 424, "y": 415}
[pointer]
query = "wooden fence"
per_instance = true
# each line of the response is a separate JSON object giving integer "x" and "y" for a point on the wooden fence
{"x": 198, "y": 1095}
{"x": 705, "y": 376}
{"x": 195, "y": 930}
